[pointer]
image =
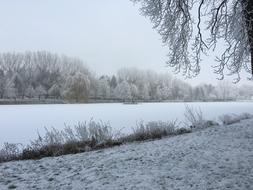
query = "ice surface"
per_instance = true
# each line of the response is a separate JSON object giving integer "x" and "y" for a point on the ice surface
{"x": 19, "y": 123}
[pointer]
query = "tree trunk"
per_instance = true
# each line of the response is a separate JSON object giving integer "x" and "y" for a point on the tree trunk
{"x": 248, "y": 14}
{"x": 251, "y": 50}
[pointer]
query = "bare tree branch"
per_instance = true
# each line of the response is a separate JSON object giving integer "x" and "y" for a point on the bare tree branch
{"x": 229, "y": 22}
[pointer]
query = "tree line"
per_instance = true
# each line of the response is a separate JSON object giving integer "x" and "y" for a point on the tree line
{"x": 44, "y": 75}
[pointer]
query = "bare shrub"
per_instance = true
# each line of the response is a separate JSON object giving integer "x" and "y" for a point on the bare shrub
{"x": 195, "y": 119}
{"x": 10, "y": 151}
{"x": 88, "y": 131}
{"x": 160, "y": 128}
{"x": 100, "y": 131}
{"x": 68, "y": 134}
{"x": 151, "y": 130}
{"x": 82, "y": 132}
{"x": 53, "y": 137}
{"x": 83, "y": 137}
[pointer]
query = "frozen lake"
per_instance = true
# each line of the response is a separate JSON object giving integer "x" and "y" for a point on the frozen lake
{"x": 20, "y": 123}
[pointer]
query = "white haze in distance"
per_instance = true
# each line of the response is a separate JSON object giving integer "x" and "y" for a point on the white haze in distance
{"x": 106, "y": 35}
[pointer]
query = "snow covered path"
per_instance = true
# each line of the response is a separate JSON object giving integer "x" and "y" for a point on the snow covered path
{"x": 214, "y": 158}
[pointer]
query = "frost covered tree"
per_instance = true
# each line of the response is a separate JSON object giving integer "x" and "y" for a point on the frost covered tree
{"x": 36, "y": 74}
{"x": 144, "y": 92}
{"x": 245, "y": 92}
{"x": 19, "y": 85}
{"x": 10, "y": 91}
{"x": 77, "y": 87}
{"x": 2, "y": 83}
{"x": 55, "y": 91}
{"x": 177, "y": 91}
{"x": 113, "y": 82}
{"x": 198, "y": 93}
{"x": 30, "y": 92}
{"x": 40, "y": 91}
{"x": 44, "y": 75}
{"x": 204, "y": 92}
{"x": 164, "y": 87}
{"x": 123, "y": 91}
{"x": 224, "y": 90}
{"x": 134, "y": 91}
{"x": 153, "y": 81}
{"x": 104, "y": 90}
{"x": 190, "y": 28}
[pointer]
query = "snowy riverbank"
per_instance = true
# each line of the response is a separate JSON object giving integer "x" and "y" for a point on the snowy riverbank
{"x": 215, "y": 158}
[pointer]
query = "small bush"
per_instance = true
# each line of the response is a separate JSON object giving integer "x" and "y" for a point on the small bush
{"x": 84, "y": 132}
{"x": 195, "y": 120}
{"x": 84, "y": 137}
{"x": 233, "y": 118}
{"x": 151, "y": 130}
{"x": 10, "y": 151}
{"x": 228, "y": 119}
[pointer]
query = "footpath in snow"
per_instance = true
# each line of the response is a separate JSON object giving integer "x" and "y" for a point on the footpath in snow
{"x": 215, "y": 158}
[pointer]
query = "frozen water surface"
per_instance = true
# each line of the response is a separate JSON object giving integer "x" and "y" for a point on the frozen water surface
{"x": 20, "y": 123}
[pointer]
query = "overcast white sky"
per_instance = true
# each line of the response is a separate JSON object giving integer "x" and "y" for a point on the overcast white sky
{"x": 105, "y": 34}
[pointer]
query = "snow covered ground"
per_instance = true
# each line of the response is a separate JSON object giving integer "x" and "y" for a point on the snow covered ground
{"x": 215, "y": 158}
{"x": 19, "y": 123}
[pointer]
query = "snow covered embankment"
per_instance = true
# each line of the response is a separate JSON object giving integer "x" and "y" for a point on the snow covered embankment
{"x": 214, "y": 158}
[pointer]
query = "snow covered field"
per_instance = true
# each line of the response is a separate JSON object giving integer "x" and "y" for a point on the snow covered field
{"x": 216, "y": 158}
{"x": 19, "y": 123}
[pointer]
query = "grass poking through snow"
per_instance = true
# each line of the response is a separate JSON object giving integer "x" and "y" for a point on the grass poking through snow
{"x": 97, "y": 135}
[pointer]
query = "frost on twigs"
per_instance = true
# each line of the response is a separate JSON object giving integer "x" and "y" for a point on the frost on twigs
{"x": 195, "y": 119}
{"x": 151, "y": 130}
{"x": 10, "y": 151}
{"x": 192, "y": 28}
{"x": 83, "y": 137}
{"x": 94, "y": 135}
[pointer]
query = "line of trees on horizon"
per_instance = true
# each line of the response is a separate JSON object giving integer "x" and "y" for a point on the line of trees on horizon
{"x": 44, "y": 75}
